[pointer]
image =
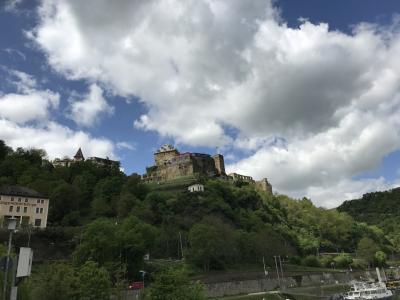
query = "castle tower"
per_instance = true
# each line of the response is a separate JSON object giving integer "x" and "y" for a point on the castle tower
{"x": 265, "y": 186}
{"x": 79, "y": 156}
{"x": 164, "y": 154}
{"x": 219, "y": 164}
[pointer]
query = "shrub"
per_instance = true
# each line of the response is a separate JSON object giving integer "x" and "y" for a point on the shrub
{"x": 326, "y": 261}
{"x": 380, "y": 258}
{"x": 311, "y": 261}
{"x": 295, "y": 260}
{"x": 343, "y": 261}
{"x": 360, "y": 264}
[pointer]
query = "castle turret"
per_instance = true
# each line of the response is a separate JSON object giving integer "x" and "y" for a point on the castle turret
{"x": 79, "y": 156}
{"x": 264, "y": 185}
{"x": 164, "y": 154}
{"x": 219, "y": 164}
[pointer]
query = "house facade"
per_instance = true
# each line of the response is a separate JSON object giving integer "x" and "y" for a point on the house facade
{"x": 26, "y": 205}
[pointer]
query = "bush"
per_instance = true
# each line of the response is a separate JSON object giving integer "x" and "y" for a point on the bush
{"x": 380, "y": 259}
{"x": 360, "y": 264}
{"x": 343, "y": 261}
{"x": 311, "y": 261}
{"x": 295, "y": 260}
{"x": 326, "y": 261}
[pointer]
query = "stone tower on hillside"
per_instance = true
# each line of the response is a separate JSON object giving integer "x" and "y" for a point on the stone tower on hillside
{"x": 219, "y": 164}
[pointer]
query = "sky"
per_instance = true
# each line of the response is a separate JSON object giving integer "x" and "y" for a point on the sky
{"x": 305, "y": 93}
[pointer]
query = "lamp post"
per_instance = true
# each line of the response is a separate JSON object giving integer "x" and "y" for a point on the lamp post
{"x": 12, "y": 225}
{"x": 142, "y": 273}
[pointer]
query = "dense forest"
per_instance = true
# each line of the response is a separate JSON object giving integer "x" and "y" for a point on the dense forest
{"x": 378, "y": 208}
{"x": 111, "y": 221}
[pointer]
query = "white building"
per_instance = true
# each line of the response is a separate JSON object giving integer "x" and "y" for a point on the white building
{"x": 24, "y": 204}
{"x": 196, "y": 188}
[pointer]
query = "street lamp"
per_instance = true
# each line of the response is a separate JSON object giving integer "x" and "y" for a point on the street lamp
{"x": 143, "y": 273}
{"x": 12, "y": 225}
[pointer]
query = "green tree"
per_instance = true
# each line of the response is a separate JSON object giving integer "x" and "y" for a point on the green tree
{"x": 64, "y": 200}
{"x": 53, "y": 281}
{"x": 174, "y": 284}
{"x": 380, "y": 258}
{"x": 366, "y": 249}
{"x": 91, "y": 282}
{"x": 212, "y": 244}
{"x": 110, "y": 243}
{"x": 4, "y": 150}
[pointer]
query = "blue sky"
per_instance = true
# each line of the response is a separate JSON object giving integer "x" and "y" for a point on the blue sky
{"x": 305, "y": 93}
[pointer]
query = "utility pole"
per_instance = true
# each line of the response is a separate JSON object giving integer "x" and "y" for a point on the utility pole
{"x": 265, "y": 270}
{"x": 12, "y": 225}
{"x": 277, "y": 270}
{"x": 280, "y": 263}
{"x": 180, "y": 242}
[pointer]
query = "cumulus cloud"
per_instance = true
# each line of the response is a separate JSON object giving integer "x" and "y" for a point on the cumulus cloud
{"x": 26, "y": 121}
{"x": 126, "y": 145}
{"x": 57, "y": 140}
{"x": 28, "y": 103}
{"x": 88, "y": 111}
{"x": 331, "y": 99}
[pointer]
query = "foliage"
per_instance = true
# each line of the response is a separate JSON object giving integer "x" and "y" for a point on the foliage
{"x": 212, "y": 244}
{"x": 366, "y": 249}
{"x": 311, "y": 261}
{"x": 343, "y": 261}
{"x": 174, "y": 284}
{"x": 110, "y": 243}
{"x": 63, "y": 281}
{"x": 380, "y": 258}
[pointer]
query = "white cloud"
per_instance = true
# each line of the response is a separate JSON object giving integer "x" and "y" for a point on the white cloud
{"x": 88, "y": 111}
{"x": 26, "y": 120}
{"x": 203, "y": 66}
{"x": 126, "y": 145}
{"x": 57, "y": 140}
{"x": 28, "y": 103}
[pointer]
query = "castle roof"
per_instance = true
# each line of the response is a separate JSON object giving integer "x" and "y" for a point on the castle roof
{"x": 79, "y": 155}
{"x": 15, "y": 190}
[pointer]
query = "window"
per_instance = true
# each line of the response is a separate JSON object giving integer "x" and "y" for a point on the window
{"x": 26, "y": 199}
{"x": 12, "y": 198}
{"x": 38, "y": 222}
{"x": 25, "y": 209}
{"x": 18, "y": 208}
{"x": 37, "y": 210}
{"x": 11, "y": 208}
{"x": 38, "y": 200}
{"x": 42, "y": 201}
{"x": 19, "y": 199}
{"x": 41, "y": 210}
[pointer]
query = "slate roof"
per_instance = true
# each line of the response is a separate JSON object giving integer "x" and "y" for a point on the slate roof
{"x": 15, "y": 190}
{"x": 79, "y": 155}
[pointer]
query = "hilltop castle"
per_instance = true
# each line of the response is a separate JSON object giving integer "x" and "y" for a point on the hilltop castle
{"x": 171, "y": 164}
{"x": 78, "y": 157}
